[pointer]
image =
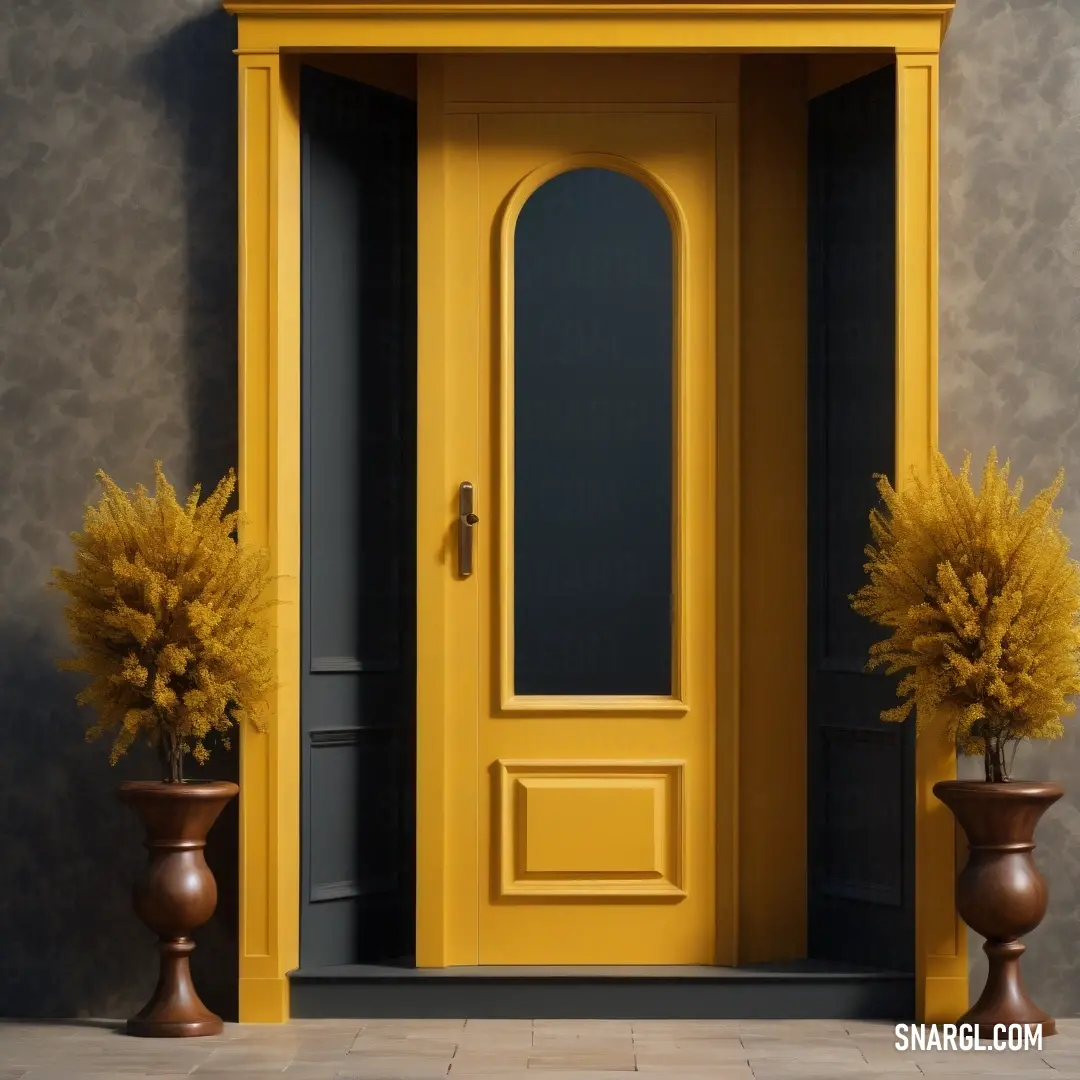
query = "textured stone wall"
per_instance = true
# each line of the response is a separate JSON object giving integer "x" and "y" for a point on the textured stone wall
{"x": 117, "y": 346}
{"x": 1010, "y": 341}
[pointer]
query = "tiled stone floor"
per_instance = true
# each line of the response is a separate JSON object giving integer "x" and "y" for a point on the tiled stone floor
{"x": 541, "y": 1049}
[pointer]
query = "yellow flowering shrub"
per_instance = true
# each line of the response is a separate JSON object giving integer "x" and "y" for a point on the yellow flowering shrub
{"x": 983, "y": 602}
{"x": 166, "y": 611}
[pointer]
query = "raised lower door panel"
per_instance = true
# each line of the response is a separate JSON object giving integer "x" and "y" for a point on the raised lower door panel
{"x": 632, "y": 847}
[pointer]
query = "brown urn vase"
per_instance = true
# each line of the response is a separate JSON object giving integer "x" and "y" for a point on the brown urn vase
{"x": 1000, "y": 894}
{"x": 175, "y": 894}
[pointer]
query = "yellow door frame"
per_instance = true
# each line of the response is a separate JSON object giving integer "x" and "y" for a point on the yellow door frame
{"x": 270, "y": 33}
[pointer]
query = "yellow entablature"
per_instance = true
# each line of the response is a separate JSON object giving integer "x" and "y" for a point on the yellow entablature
{"x": 279, "y": 25}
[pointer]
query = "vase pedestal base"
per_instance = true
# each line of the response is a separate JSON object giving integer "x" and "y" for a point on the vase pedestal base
{"x": 1004, "y": 999}
{"x": 185, "y": 1029}
{"x": 175, "y": 1011}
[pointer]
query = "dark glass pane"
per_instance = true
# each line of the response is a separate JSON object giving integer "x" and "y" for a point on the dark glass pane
{"x": 593, "y": 428}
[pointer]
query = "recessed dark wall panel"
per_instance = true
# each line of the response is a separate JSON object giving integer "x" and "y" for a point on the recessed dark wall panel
{"x": 860, "y": 782}
{"x": 862, "y": 776}
{"x": 358, "y": 403}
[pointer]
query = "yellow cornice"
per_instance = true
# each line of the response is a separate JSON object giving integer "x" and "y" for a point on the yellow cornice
{"x": 574, "y": 10}
{"x": 328, "y": 26}
{"x": 734, "y": 26}
{"x": 576, "y": 7}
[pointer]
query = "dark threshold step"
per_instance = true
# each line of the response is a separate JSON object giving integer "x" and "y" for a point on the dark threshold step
{"x": 801, "y": 989}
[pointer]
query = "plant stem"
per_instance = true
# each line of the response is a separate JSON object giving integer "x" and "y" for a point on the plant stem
{"x": 164, "y": 753}
{"x": 172, "y": 753}
{"x": 994, "y": 759}
{"x": 177, "y": 761}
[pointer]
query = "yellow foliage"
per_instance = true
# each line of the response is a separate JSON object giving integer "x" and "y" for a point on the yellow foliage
{"x": 166, "y": 612}
{"x": 983, "y": 602}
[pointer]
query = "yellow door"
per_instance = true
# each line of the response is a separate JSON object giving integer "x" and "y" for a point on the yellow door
{"x": 582, "y": 621}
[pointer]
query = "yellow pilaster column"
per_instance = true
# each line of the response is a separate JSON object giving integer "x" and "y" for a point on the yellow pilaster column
{"x": 940, "y": 945}
{"x": 269, "y": 480}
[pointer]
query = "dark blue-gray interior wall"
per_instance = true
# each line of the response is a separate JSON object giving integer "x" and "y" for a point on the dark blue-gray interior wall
{"x": 860, "y": 809}
{"x": 117, "y": 344}
{"x": 357, "y": 522}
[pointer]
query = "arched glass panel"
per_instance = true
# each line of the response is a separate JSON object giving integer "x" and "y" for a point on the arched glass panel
{"x": 593, "y": 428}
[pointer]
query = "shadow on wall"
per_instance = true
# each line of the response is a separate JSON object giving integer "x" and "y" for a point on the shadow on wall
{"x": 69, "y": 851}
{"x": 193, "y": 74}
{"x": 71, "y": 945}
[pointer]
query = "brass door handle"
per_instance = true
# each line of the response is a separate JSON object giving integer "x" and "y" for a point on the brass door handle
{"x": 467, "y": 520}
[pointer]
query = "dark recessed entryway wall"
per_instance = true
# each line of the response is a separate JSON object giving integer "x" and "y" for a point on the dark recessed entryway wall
{"x": 358, "y": 349}
{"x": 860, "y": 771}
